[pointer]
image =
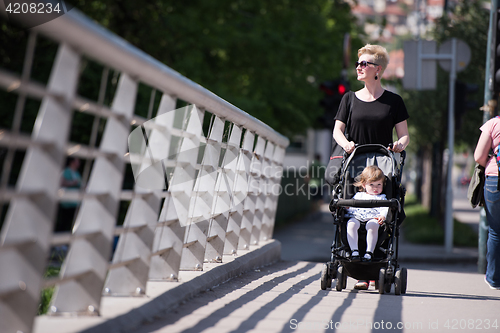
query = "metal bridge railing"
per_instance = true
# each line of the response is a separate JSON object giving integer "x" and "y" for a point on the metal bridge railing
{"x": 222, "y": 187}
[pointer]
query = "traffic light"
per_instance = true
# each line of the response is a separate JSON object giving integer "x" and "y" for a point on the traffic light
{"x": 463, "y": 101}
{"x": 334, "y": 91}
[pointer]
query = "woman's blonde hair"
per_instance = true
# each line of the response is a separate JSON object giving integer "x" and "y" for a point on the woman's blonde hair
{"x": 371, "y": 173}
{"x": 379, "y": 53}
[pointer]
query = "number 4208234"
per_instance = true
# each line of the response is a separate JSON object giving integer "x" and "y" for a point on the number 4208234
{"x": 32, "y": 8}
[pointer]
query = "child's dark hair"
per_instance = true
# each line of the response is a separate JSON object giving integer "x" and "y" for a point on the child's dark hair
{"x": 370, "y": 174}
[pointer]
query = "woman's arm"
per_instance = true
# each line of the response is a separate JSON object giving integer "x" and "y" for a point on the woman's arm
{"x": 482, "y": 149}
{"x": 403, "y": 137}
{"x": 338, "y": 135}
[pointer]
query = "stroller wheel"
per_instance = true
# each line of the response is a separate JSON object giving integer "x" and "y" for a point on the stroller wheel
{"x": 332, "y": 273}
{"x": 326, "y": 282}
{"x": 404, "y": 279}
{"x": 381, "y": 281}
{"x": 341, "y": 278}
{"x": 332, "y": 269}
{"x": 388, "y": 284}
{"x": 400, "y": 281}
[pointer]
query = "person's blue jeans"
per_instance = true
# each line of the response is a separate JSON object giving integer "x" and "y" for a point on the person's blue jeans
{"x": 492, "y": 200}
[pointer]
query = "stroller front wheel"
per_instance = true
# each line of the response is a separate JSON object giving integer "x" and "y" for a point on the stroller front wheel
{"x": 381, "y": 281}
{"x": 341, "y": 278}
{"x": 400, "y": 281}
{"x": 326, "y": 281}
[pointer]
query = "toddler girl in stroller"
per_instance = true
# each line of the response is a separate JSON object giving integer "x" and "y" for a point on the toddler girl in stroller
{"x": 371, "y": 183}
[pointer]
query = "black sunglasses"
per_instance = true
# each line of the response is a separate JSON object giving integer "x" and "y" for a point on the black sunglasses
{"x": 364, "y": 64}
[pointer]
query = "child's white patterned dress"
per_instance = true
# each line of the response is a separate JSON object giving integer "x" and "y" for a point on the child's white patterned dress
{"x": 366, "y": 214}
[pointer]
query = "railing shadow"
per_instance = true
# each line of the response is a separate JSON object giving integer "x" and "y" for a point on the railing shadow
{"x": 393, "y": 302}
{"x": 337, "y": 315}
{"x": 232, "y": 306}
{"x": 300, "y": 314}
{"x": 257, "y": 316}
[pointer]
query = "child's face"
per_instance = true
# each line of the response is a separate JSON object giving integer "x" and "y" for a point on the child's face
{"x": 375, "y": 187}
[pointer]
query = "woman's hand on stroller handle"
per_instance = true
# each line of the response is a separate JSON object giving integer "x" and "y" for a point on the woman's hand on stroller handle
{"x": 349, "y": 147}
{"x": 396, "y": 147}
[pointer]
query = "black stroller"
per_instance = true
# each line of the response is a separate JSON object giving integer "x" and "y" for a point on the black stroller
{"x": 384, "y": 267}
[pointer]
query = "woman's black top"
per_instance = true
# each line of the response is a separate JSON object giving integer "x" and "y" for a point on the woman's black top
{"x": 372, "y": 122}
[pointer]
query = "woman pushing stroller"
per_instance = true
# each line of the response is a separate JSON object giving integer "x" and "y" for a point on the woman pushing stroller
{"x": 371, "y": 182}
{"x": 372, "y": 113}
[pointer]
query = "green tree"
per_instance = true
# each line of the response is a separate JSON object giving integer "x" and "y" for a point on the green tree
{"x": 468, "y": 21}
{"x": 267, "y": 58}
{"x": 429, "y": 109}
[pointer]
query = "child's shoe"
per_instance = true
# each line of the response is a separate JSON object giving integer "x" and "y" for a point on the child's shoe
{"x": 361, "y": 285}
{"x": 368, "y": 256}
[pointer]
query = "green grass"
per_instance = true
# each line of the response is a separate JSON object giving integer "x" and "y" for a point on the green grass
{"x": 46, "y": 293}
{"x": 420, "y": 228}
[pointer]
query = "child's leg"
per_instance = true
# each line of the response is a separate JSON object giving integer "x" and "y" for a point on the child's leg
{"x": 371, "y": 235}
{"x": 352, "y": 233}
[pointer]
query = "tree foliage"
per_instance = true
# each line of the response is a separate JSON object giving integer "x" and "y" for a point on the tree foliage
{"x": 267, "y": 58}
{"x": 428, "y": 110}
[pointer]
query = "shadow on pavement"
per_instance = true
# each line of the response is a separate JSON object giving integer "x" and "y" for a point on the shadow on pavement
{"x": 251, "y": 295}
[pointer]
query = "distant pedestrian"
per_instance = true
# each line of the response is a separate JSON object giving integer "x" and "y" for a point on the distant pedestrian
{"x": 70, "y": 179}
{"x": 490, "y": 140}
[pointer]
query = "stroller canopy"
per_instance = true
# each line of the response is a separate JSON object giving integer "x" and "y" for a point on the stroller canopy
{"x": 371, "y": 154}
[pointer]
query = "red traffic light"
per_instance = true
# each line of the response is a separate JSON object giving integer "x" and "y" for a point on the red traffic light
{"x": 332, "y": 88}
{"x": 341, "y": 88}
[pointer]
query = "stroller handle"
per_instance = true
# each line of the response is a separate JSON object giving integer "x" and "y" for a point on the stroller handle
{"x": 336, "y": 203}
